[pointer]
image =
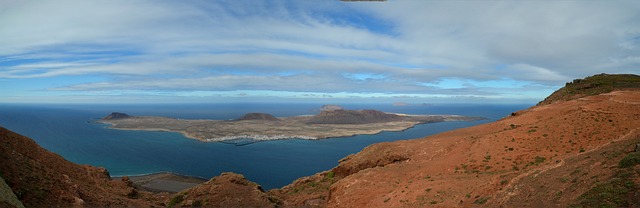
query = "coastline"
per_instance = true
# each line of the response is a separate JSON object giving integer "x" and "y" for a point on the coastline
{"x": 295, "y": 127}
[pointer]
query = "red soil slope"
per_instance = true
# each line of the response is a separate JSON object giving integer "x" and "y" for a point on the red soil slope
{"x": 545, "y": 156}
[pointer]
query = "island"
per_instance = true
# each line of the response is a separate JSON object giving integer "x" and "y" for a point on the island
{"x": 329, "y": 122}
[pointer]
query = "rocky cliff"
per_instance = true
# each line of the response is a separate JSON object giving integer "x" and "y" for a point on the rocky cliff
{"x": 40, "y": 178}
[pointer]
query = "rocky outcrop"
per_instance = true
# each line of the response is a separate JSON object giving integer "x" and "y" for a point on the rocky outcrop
{"x": 7, "y": 198}
{"x": 40, "y": 178}
{"x": 115, "y": 116}
{"x": 257, "y": 116}
{"x": 353, "y": 117}
{"x": 225, "y": 190}
{"x": 378, "y": 155}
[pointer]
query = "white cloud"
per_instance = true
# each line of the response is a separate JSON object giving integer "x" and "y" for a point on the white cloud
{"x": 397, "y": 46}
{"x": 534, "y": 73}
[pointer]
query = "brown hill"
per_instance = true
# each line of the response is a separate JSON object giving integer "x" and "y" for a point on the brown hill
{"x": 257, "y": 116}
{"x": 352, "y": 117}
{"x": 116, "y": 115}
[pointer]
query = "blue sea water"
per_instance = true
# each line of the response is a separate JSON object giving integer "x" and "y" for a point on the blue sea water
{"x": 65, "y": 130}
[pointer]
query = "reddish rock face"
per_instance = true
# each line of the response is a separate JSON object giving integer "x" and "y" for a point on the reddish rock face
{"x": 40, "y": 178}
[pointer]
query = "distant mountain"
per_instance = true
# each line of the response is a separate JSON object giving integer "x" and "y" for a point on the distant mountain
{"x": 352, "y": 117}
{"x": 331, "y": 108}
{"x": 116, "y": 115}
{"x": 593, "y": 85}
{"x": 257, "y": 116}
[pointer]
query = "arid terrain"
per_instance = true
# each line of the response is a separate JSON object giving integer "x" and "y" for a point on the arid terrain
{"x": 578, "y": 152}
{"x": 260, "y": 126}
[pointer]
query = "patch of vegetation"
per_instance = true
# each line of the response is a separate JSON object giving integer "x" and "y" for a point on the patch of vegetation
{"x": 175, "y": 200}
{"x": 620, "y": 191}
{"x": 330, "y": 175}
{"x": 487, "y": 158}
{"x": 630, "y": 160}
{"x": 576, "y": 171}
{"x": 481, "y": 200}
{"x": 196, "y": 203}
{"x": 539, "y": 160}
{"x": 593, "y": 85}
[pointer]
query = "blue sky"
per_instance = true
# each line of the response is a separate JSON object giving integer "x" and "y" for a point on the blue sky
{"x": 309, "y": 51}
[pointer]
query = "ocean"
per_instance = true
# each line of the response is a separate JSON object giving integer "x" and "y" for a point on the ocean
{"x": 66, "y": 130}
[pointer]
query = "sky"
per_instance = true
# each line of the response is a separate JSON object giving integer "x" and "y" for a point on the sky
{"x": 414, "y": 51}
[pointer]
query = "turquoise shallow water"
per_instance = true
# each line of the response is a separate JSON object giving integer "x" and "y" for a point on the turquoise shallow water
{"x": 65, "y": 130}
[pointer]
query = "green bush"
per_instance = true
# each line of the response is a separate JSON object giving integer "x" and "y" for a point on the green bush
{"x": 330, "y": 175}
{"x": 630, "y": 160}
{"x": 177, "y": 199}
{"x": 617, "y": 192}
{"x": 481, "y": 200}
{"x": 196, "y": 203}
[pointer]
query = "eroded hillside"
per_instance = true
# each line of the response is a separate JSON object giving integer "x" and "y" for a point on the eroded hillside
{"x": 545, "y": 156}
